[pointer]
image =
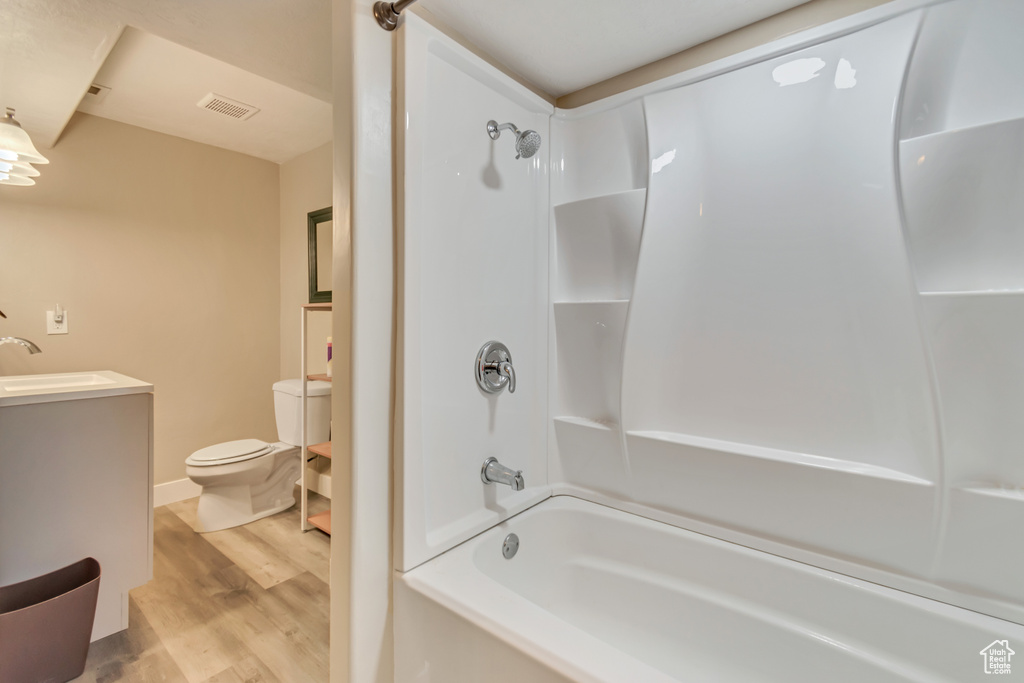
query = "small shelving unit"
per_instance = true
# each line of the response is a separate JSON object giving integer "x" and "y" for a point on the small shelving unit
{"x": 321, "y": 520}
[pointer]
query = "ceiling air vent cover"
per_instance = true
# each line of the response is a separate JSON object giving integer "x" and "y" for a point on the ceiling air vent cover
{"x": 227, "y": 107}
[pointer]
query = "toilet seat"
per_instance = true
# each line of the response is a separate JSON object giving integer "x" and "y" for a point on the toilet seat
{"x": 229, "y": 452}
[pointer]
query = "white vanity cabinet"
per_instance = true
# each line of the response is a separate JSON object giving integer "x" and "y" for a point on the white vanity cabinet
{"x": 76, "y": 481}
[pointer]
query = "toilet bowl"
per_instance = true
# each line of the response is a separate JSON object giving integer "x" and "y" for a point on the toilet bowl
{"x": 249, "y": 479}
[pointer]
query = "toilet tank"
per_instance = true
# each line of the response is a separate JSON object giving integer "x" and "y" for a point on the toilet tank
{"x": 287, "y": 402}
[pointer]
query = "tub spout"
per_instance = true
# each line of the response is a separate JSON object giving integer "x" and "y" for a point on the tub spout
{"x": 32, "y": 348}
{"x": 493, "y": 472}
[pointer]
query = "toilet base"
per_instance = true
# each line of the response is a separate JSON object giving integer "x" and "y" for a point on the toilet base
{"x": 226, "y": 507}
{"x": 222, "y": 506}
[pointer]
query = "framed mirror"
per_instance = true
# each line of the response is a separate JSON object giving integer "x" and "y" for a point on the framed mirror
{"x": 321, "y": 254}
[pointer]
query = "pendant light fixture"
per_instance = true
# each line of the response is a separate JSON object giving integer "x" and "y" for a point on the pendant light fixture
{"x": 19, "y": 168}
{"x": 8, "y": 179}
{"x": 17, "y": 153}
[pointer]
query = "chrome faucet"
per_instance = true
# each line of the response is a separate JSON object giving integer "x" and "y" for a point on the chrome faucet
{"x": 494, "y": 369}
{"x": 32, "y": 348}
{"x": 493, "y": 472}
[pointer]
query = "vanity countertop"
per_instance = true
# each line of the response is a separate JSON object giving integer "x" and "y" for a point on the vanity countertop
{"x": 67, "y": 386}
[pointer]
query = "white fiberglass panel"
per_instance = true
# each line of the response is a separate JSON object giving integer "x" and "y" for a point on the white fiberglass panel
{"x": 773, "y": 306}
{"x": 475, "y": 249}
{"x": 976, "y": 341}
{"x": 589, "y": 357}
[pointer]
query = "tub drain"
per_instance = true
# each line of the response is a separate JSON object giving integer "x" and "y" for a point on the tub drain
{"x": 510, "y": 546}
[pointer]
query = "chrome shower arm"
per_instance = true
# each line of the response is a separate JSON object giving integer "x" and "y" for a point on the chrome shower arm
{"x": 494, "y": 128}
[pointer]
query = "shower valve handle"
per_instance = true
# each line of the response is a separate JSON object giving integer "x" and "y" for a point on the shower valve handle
{"x": 494, "y": 371}
{"x": 505, "y": 369}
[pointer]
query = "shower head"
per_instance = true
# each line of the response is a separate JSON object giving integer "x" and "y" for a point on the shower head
{"x": 527, "y": 141}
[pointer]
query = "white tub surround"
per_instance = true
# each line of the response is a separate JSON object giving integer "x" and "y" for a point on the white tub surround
{"x": 599, "y": 595}
{"x": 76, "y": 481}
{"x": 475, "y": 271}
{"x": 818, "y": 354}
{"x": 784, "y": 313}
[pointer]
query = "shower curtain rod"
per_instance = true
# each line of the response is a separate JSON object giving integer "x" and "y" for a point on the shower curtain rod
{"x": 387, "y": 13}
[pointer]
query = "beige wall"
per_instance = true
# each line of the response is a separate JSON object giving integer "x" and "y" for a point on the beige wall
{"x": 165, "y": 253}
{"x": 305, "y": 186}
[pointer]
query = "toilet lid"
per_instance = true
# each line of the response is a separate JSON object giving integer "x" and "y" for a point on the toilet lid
{"x": 228, "y": 452}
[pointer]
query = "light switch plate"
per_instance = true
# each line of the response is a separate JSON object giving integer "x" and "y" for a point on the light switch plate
{"x": 56, "y": 328}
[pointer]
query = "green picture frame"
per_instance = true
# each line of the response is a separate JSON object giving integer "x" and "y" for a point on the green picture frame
{"x": 320, "y": 239}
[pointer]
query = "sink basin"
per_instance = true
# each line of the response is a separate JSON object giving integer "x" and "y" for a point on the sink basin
{"x": 67, "y": 386}
{"x": 41, "y": 382}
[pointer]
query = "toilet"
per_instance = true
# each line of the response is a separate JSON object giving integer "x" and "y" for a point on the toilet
{"x": 249, "y": 479}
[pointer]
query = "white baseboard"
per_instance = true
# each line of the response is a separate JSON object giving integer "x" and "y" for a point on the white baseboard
{"x": 173, "y": 491}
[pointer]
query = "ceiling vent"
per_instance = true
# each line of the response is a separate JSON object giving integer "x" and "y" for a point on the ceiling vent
{"x": 96, "y": 93}
{"x": 227, "y": 107}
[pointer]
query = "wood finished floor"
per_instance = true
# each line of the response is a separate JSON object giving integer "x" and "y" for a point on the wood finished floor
{"x": 248, "y": 604}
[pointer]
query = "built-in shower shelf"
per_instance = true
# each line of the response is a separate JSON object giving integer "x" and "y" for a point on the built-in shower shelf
{"x": 996, "y": 492}
{"x": 600, "y": 199}
{"x": 972, "y": 132}
{"x": 568, "y": 313}
{"x": 977, "y": 293}
{"x": 690, "y": 443}
{"x": 598, "y": 240}
{"x": 966, "y": 237}
{"x": 593, "y": 450}
{"x": 593, "y": 302}
{"x": 599, "y": 425}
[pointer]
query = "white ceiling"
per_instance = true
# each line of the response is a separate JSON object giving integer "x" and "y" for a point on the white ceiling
{"x": 157, "y": 84}
{"x": 564, "y": 45}
{"x": 51, "y": 50}
{"x": 279, "y": 52}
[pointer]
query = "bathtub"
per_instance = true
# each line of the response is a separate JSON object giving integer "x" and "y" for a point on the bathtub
{"x": 596, "y": 594}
